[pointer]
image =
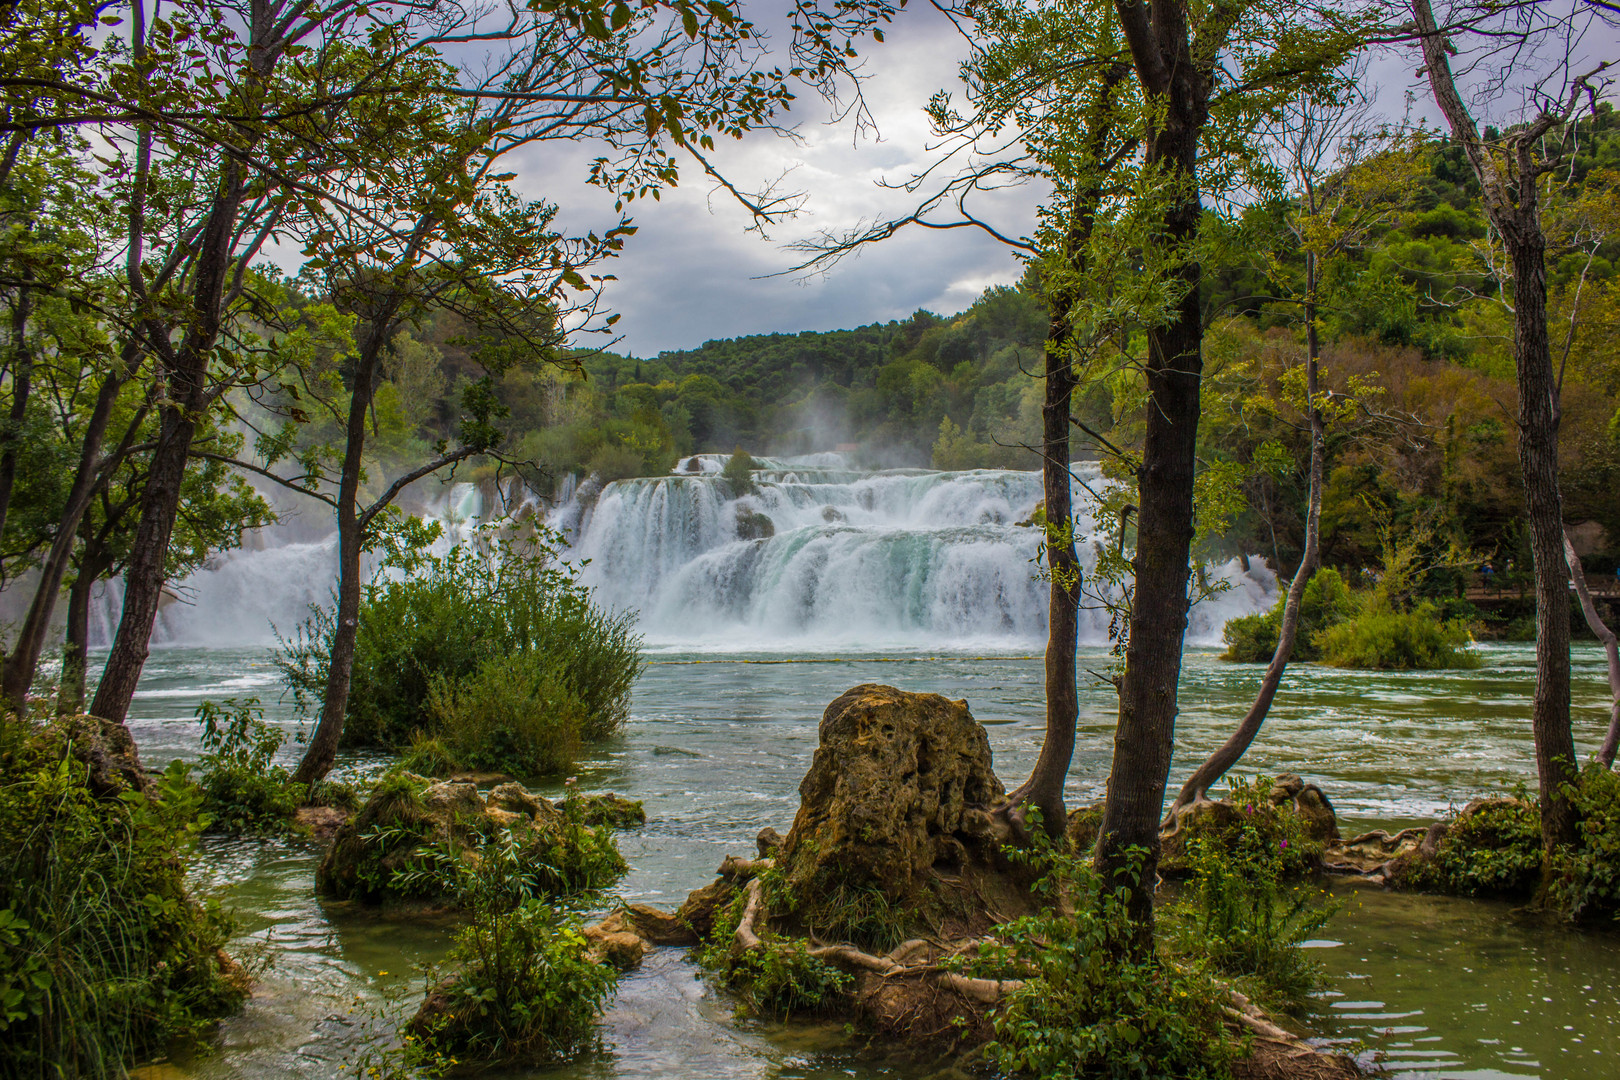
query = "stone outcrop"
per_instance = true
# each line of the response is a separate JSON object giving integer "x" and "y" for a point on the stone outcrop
{"x": 1212, "y": 817}
{"x": 901, "y": 787}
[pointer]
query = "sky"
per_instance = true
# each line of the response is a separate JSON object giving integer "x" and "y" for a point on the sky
{"x": 693, "y": 272}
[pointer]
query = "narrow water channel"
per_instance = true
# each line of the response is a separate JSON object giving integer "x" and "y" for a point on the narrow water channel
{"x": 717, "y": 744}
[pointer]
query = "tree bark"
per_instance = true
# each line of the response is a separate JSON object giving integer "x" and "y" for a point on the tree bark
{"x": 70, "y": 694}
{"x": 1044, "y": 788}
{"x": 23, "y": 663}
{"x": 323, "y": 745}
{"x": 1510, "y": 202}
{"x": 1611, "y": 652}
{"x": 144, "y": 575}
{"x": 1127, "y": 853}
{"x": 1221, "y": 761}
{"x": 22, "y": 374}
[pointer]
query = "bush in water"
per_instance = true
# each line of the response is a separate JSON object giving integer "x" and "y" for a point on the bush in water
{"x": 452, "y": 620}
{"x": 1493, "y": 849}
{"x": 1585, "y": 883}
{"x": 104, "y": 957}
{"x": 1252, "y": 639}
{"x": 515, "y": 715}
{"x": 523, "y": 986}
{"x": 1382, "y": 639}
{"x": 243, "y": 792}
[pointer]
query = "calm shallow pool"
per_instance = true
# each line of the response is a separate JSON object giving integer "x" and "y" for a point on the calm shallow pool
{"x": 717, "y": 746}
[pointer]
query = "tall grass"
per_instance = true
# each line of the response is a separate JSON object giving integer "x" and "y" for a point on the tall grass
{"x": 104, "y": 958}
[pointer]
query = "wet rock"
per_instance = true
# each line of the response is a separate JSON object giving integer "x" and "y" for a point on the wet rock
{"x": 657, "y": 927}
{"x": 702, "y": 905}
{"x": 1311, "y": 805}
{"x": 752, "y": 525}
{"x": 769, "y": 842}
{"x": 613, "y": 943}
{"x": 832, "y": 515}
{"x": 321, "y": 822}
{"x": 888, "y": 795}
{"x": 1370, "y": 853}
{"x": 108, "y": 750}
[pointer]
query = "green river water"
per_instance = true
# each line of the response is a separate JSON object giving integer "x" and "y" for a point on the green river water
{"x": 1443, "y": 989}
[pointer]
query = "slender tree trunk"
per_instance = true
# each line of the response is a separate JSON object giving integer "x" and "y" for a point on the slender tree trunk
{"x": 1044, "y": 788}
{"x": 1611, "y": 651}
{"x": 22, "y": 375}
{"x": 1538, "y": 459}
{"x": 23, "y": 663}
{"x": 75, "y": 647}
{"x": 1508, "y": 191}
{"x": 1222, "y": 760}
{"x": 144, "y": 575}
{"x": 1127, "y": 851}
{"x": 323, "y": 745}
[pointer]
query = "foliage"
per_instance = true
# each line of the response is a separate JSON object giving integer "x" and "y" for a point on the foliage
{"x": 514, "y": 715}
{"x": 739, "y": 473}
{"x": 452, "y": 622}
{"x": 1492, "y": 850}
{"x": 1252, "y": 639}
{"x": 523, "y": 987}
{"x": 1585, "y": 882}
{"x": 779, "y": 978}
{"x": 1085, "y": 1008}
{"x": 104, "y": 957}
{"x": 1248, "y": 910}
{"x": 1381, "y": 639}
{"x": 428, "y": 756}
{"x": 243, "y": 790}
{"x": 1261, "y": 833}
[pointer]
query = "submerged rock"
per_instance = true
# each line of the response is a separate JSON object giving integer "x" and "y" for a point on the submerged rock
{"x": 752, "y": 525}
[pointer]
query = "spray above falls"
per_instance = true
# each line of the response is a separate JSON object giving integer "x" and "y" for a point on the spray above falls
{"x": 821, "y": 555}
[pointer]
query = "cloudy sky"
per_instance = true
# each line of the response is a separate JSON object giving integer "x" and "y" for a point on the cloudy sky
{"x": 693, "y": 272}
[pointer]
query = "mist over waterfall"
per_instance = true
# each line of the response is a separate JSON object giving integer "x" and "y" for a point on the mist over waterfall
{"x": 822, "y": 555}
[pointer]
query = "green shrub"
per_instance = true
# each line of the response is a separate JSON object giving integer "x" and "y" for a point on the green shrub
{"x": 1493, "y": 850}
{"x": 1086, "y": 1009}
{"x": 1380, "y": 639}
{"x": 779, "y": 978}
{"x": 1327, "y": 601}
{"x": 1268, "y": 836}
{"x": 514, "y": 715}
{"x": 104, "y": 957}
{"x": 243, "y": 792}
{"x": 452, "y": 618}
{"x": 739, "y": 473}
{"x": 1248, "y": 920}
{"x": 523, "y": 988}
{"x": 428, "y": 756}
{"x": 1585, "y": 883}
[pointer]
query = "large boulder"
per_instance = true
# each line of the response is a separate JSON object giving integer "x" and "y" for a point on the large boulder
{"x": 900, "y": 787}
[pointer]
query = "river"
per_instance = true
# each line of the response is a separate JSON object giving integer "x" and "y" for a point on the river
{"x": 717, "y": 743}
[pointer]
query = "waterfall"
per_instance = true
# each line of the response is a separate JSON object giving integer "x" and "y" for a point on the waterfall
{"x": 823, "y": 555}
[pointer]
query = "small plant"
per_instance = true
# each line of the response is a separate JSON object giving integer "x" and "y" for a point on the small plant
{"x": 1258, "y": 832}
{"x": 524, "y": 987}
{"x": 104, "y": 956}
{"x": 779, "y": 978}
{"x": 244, "y": 792}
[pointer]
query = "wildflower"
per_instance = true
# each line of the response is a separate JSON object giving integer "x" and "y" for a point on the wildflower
{"x": 1284, "y": 844}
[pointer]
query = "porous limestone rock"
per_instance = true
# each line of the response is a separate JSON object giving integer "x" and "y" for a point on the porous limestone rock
{"x": 900, "y": 786}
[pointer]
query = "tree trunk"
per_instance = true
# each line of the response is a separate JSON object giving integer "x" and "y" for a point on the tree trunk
{"x": 1222, "y": 760}
{"x": 144, "y": 576}
{"x": 1610, "y": 650}
{"x": 1044, "y": 788}
{"x": 1508, "y": 192}
{"x": 323, "y": 745}
{"x": 70, "y": 694}
{"x": 22, "y": 374}
{"x": 1127, "y": 852}
{"x": 23, "y": 663}
{"x": 1538, "y": 459}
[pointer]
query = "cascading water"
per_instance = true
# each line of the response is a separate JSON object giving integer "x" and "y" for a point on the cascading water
{"x": 821, "y": 555}
{"x": 244, "y": 597}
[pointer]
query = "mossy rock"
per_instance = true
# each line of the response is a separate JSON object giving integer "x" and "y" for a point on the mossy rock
{"x": 1491, "y": 848}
